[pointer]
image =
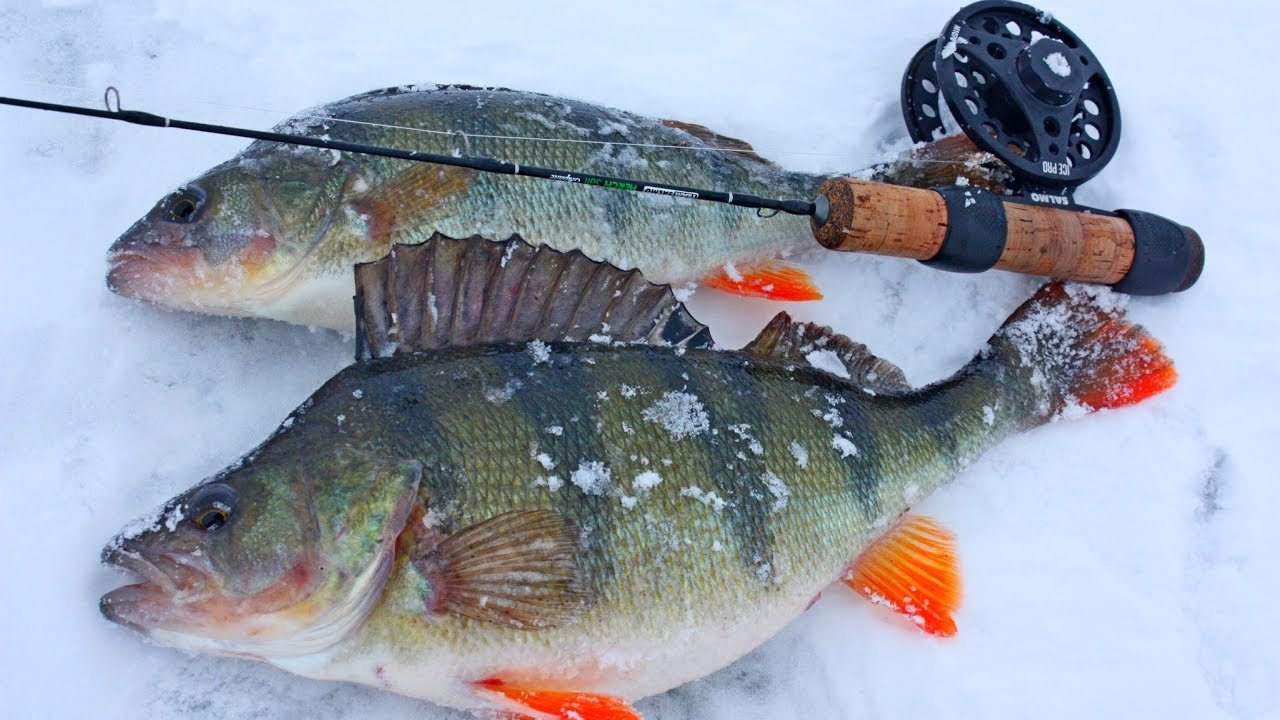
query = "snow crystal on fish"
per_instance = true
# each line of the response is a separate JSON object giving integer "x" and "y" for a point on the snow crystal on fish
{"x": 706, "y": 497}
{"x": 827, "y": 360}
{"x": 681, "y": 413}
{"x": 592, "y": 477}
{"x": 799, "y": 452}
{"x": 497, "y": 396}
{"x": 540, "y": 351}
{"x": 646, "y": 481}
{"x": 911, "y": 492}
{"x": 844, "y": 445}
{"x": 552, "y": 483}
{"x": 832, "y": 417}
{"x": 743, "y": 431}
{"x": 778, "y": 489}
{"x": 683, "y": 294}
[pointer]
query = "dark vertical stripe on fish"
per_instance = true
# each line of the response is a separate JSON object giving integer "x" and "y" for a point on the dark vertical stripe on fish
{"x": 736, "y": 473}
{"x": 574, "y": 385}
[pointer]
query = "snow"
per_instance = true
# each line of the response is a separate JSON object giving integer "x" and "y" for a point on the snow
{"x": 680, "y": 413}
{"x": 592, "y": 477}
{"x": 646, "y": 481}
{"x": 800, "y": 453}
{"x": 778, "y": 489}
{"x": 828, "y": 360}
{"x": 844, "y": 445}
{"x": 1121, "y": 564}
{"x": 540, "y": 351}
{"x": 1058, "y": 64}
{"x": 707, "y": 497}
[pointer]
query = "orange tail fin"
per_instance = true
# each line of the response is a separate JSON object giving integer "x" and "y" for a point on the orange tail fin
{"x": 563, "y": 705}
{"x": 772, "y": 279}
{"x": 912, "y": 570}
{"x": 1073, "y": 347}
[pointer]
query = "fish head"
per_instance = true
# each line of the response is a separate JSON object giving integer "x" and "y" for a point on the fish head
{"x": 237, "y": 239}
{"x": 266, "y": 560}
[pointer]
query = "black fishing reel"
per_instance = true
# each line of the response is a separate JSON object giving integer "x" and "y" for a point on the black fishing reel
{"x": 1023, "y": 87}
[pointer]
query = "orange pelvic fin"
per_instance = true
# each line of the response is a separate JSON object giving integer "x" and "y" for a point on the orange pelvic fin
{"x": 913, "y": 570}
{"x": 772, "y": 279}
{"x": 563, "y": 705}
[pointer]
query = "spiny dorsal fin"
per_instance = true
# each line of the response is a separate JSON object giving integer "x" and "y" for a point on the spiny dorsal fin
{"x": 715, "y": 139}
{"x": 516, "y": 569}
{"x": 944, "y": 162}
{"x": 790, "y": 340}
{"x": 454, "y": 293}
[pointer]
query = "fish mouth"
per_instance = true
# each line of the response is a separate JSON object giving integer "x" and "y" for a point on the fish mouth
{"x": 170, "y": 584}
{"x": 180, "y": 277}
{"x": 152, "y": 273}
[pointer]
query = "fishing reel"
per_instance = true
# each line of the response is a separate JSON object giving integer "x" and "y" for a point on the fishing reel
{"x": 1022, "y": 87}
{"x": 1027, "y": 90}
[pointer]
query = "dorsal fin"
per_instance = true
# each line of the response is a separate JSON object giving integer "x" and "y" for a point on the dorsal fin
{"x": 787, "y": 339}
{"x": 447, "y": 292}
{"x": 715, "y": 139}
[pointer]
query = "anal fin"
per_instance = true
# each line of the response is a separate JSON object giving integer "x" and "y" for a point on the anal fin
{"x": 771, "y": 279}
{"x": 912, "y": 570}
{"x": 561, "y": 704}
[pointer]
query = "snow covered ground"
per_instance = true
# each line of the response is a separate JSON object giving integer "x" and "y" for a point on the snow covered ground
{"x": 1121, "y": 565}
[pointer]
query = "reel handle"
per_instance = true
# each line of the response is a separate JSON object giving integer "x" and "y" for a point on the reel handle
{"x": 967, "y": 229}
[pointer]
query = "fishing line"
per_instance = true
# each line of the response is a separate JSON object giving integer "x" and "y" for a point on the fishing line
{"x": 520, "y": 138}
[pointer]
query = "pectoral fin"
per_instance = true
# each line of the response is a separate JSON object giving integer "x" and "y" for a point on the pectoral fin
{"x": 561, "y": 704}
{"x": 772, "y": 279}
{"x": 516, "y": 569}
{"x": 912, "y": 569}
{"x": 408, "y": 198}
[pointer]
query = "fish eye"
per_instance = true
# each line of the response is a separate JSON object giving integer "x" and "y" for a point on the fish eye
{"x": 212, "y": 507}
{"x": 183, "y": 206}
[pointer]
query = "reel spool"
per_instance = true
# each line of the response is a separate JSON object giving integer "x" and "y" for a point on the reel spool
{"x": 1024, "y": 88}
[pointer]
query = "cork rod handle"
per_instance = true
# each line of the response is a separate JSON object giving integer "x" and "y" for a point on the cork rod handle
{"x": 967, "y": 229}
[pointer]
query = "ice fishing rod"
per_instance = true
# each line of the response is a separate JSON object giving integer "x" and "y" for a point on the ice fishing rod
{"x": 483, "y": 164}
{"x": 1017, "y": 82}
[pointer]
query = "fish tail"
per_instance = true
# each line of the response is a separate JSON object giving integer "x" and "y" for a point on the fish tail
{"x": 1069, "y": 350}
